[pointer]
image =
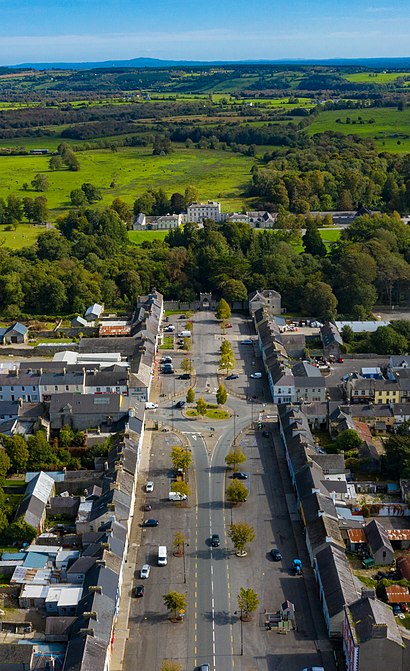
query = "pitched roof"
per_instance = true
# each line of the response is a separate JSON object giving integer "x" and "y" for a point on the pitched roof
{"x": 377, "y": 537}
{"x": 336, "y": 579}
{"x": 367, "y": 613}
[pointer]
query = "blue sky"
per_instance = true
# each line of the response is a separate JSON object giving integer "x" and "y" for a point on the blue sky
{"x": 78, "y": 30}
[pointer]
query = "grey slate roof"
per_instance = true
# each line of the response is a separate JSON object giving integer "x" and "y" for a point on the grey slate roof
{"x": 336, "y": 579}
{"x": 366, "y": 612}
{"x": 85, "y": 653}
{"x": 377, "y": 537}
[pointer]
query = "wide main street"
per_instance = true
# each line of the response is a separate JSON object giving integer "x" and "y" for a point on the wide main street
{"x": 211, "y": 632}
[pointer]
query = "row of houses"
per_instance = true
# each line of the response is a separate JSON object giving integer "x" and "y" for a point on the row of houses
{"x": 371, "y": 636}
{"x": 75, "y": 576}
{"x": 98, "y": 386}
{"x": 288, "y": 382}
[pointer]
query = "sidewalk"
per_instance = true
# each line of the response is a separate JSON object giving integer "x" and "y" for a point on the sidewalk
{"x": 121, "y": 631}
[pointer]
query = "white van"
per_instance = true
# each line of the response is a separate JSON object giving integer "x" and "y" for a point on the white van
{"x": 184, "y": 334}
{"x": 162, "y": 555}
{"x": 176, "y": 496}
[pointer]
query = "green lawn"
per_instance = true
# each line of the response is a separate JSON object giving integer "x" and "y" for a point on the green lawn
{"x": 389, "y": 122}
{"x": 25, "y": 235}
{"x": 217, "y": 174}
{"x": 138, "y": 237}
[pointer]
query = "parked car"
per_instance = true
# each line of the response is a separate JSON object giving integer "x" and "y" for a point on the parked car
{"x": 404, "y": 608}
{"x": 215, "y": 541}
{"x": 266, "y": 434}
{"x": 228, "y": 325}
{"x": 145, "y": 571}
{"x": 147, "y": 507}
{"x": 184, "y": 376}
{"x": 149, "y": 487}
{"x": 180, "y": 404}
{"x": 150, "y": 523}
{"x": 239, "y": 476}
{"x": 166, "y": 359}
{"x": 247, "y": 342}
{"x": 182, "y": 317}
{"x": 139, "y": 590}
{"x": 167, "y": 371}
{"x": 232, "y": 377}
{"x": 396, "y": 609}
{"x": 256, "y": 376}
{"x": 276, "y": 555}
{"x": 151, "y": 406}
{"x": 340, "y": 360}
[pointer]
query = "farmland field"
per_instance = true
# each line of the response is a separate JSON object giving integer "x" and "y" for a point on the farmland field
{"x": 390, "y": 126}
{"x": 375, "y": 77}
{"x": 217, "y": 174}
{"x": 25, "y": 235}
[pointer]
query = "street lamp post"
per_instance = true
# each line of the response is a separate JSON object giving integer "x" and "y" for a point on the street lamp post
{"x": 241, "y": 622}
{"x": 183, "y": 557}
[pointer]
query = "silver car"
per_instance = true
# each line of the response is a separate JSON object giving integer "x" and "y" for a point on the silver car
{"x": 145, "y": 571}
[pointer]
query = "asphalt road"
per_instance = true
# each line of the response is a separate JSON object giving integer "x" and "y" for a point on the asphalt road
{"x": 212, "y": 577}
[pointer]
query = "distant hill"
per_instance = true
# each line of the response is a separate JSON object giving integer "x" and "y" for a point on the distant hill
{"x": 388, "y": 63}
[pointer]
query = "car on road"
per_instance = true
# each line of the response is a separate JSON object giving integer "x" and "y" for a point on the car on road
{"x": 340, "y": 360}
{"x": 247, "y": 342}
{"x": 151, "y": 406}
{"x": 256, "y": 376}
{"x": 149, "y": 487}
{"x": 215, "y": 541}
{"x": 232, "y": 377}
{"x": 240, "y": 476}
{"x": 276, "y": 555}
{"x": 184, "y": 376}
{"x": 150, "y": 523}
{"x": 166, "y": 359}
{"x": 145, "y": 571}
{"x": 139, "y": 590}
{"x": 228, "y": 325}
{"x": 180, "y": 404}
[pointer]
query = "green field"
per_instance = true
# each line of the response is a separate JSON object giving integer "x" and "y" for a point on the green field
{"x": 388, "y": 123}
{"x": 219, "y": 175}
{"x": 25, "y": 235}
{"x": 375, "y": 77}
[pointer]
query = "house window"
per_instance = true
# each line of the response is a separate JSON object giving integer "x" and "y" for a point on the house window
{"x": 98, "y": 389}
{"x": 55, "y": 387}
{"x": 34, "y": 389}
{"x": 11, "y": 388}
{"x": 23, "y": 389}
{"x": 108, "y": 389}
{"x": 45, "y": 387}
{"x": 67, "y": 387}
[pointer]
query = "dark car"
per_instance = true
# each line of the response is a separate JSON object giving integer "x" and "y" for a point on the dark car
{"x": 215, "y": 541}
{"x": 266, "y": 434}
{"x": 184, "y": 376}
{"x": 240, "y": 476}
{"x": 276, "y": 555}
{"x": 150, "y": 523}
{"x": 182, "y": 317}
{"x": 167, "y": 371}
{"x": 232, "y": 377}
{"x": 147, "y": 507}
{"x": 396, "y": 609}
{"x": 180, "y": 404}
{"x": 139, "y": 591}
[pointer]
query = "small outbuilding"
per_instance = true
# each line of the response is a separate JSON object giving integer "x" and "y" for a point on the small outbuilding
{"x": 379, "y": 543}
{"x": 78, "y": 321}
{"x": 15, "y": 334}
{"x": 93, "y": 312}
